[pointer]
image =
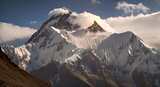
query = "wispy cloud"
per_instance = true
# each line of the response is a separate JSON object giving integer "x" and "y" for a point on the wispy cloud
{"x": 129, "y": 8}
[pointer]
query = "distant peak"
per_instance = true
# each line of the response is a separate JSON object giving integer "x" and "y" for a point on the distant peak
{"x": 119, "y": 40}
{"x": 95, "y": 27}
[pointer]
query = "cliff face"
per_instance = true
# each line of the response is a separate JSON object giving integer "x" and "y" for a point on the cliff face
{"x": 12, "y": 76}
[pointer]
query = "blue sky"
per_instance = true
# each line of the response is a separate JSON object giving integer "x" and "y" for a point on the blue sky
{"x": 34, "y": 12}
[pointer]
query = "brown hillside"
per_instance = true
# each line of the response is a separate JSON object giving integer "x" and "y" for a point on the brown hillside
{"x": 12, "y": 76}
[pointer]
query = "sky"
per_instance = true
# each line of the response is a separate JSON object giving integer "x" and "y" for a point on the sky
{"x": 33, "y": 13}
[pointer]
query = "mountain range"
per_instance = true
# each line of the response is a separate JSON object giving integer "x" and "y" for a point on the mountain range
{"x": 69, "y": 52}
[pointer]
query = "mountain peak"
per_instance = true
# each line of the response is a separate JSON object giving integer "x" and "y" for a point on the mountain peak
{"x": 120, "y": 39}
{"x": 121, "y": 46}
{"x": 95, "y": 27}
{"x": 124, "y": 51}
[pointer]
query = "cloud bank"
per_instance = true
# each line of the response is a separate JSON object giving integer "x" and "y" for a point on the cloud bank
{"x": 146, "y": 27}
{"x": 10, "y": 32}
{"x": 132, "y": 9}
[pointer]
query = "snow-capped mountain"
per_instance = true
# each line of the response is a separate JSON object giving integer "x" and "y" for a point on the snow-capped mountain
{"x": 56, "y": 40}
{"x": 128, "y": 52}
{"x": 50, "y": 46}
{"x": 121, "y": 60}
{"x": 80, "y": 49}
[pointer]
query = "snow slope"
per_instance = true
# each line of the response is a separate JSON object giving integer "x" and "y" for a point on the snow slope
{"x": 49, "y": 47}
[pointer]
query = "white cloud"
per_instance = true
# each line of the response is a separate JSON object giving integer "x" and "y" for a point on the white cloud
{"x": 146, "y": 27}
{"x": 10, "y": 32}
{"x": 129, "y": 8}
{"x": 86, "y": 19}
{"x": 95, "y": 2}
{"x": 58, "y": 11}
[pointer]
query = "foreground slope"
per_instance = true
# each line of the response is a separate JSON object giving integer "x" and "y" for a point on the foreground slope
{"x": 12, "y": 76}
